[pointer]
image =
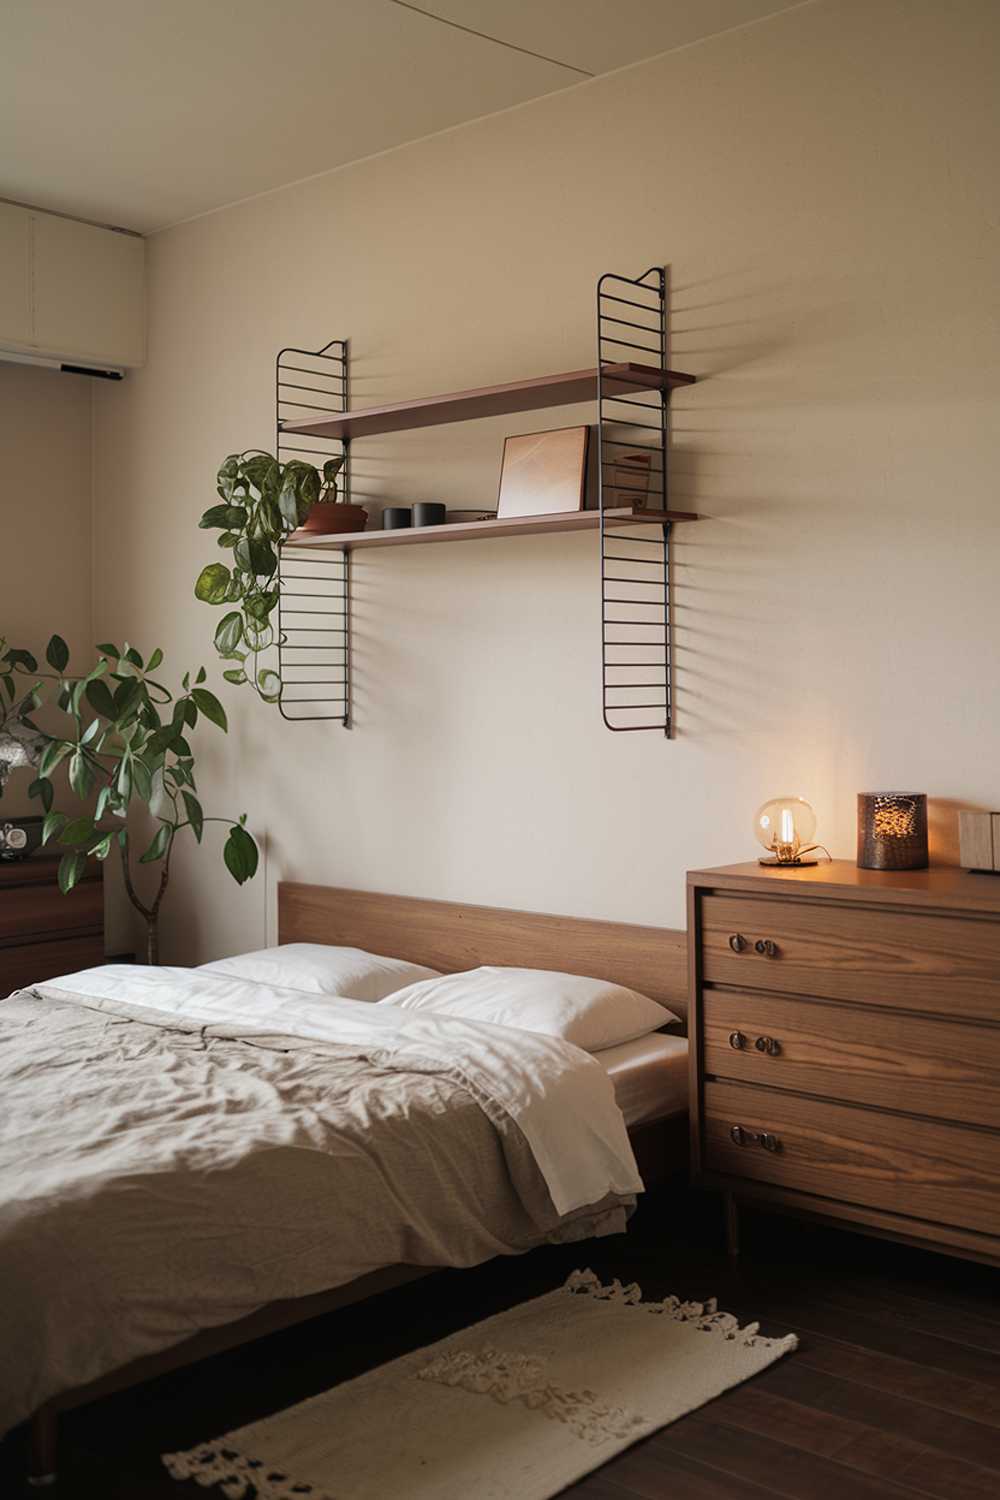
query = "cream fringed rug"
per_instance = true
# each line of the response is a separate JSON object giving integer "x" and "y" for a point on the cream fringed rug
{"x": 514, "y": 1408}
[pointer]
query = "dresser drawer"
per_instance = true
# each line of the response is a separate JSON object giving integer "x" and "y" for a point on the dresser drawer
{"x": 947, "y": 1069}
{"x": 32, "y": 909}
{"x": 31, "y": 963}
{"x": 919, "y": 1168}
{"x": 949, "y": 965}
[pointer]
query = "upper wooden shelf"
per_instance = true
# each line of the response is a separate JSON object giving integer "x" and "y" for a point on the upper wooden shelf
{"x": 489, "y": 401}
{"x": 471, "y": 531}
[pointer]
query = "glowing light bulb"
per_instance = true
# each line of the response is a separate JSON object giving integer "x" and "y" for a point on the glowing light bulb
{"x": 785, "y": 826}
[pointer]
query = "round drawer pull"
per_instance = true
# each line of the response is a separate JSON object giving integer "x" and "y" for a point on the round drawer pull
{"x": 768, "y": 1044}
{"x": 766, "y": 946}
{"x": 770, "y": 1142}
{"x": 737, "y": 1041}
{"x": 737, "y": 942}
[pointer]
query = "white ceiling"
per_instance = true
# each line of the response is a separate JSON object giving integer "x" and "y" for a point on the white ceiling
{"x": 142, "y": 113}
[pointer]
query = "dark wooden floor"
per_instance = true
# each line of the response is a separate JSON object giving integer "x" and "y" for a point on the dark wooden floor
{"x": 894, "y": 1391}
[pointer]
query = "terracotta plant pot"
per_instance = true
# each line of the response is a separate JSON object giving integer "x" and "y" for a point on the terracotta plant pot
{"x": 327, "y": 520}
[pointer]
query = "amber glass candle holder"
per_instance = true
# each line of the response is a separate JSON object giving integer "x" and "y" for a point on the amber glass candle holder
{"x": 892, "y": 831}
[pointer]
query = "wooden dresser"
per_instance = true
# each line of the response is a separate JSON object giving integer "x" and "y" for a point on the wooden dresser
{"x": 845, "y": 1047}
{"x": 42, "y": 932}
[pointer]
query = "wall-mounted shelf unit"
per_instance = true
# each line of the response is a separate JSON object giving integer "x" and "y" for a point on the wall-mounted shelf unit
{"x": 488, "y": 401}
{"x": 314, "y": 419}
{"x": 479, "y": 531}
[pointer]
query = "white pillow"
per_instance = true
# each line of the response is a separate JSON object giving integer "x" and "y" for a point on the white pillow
{"x": 590, "y": 1013}
{"x": 322, "y": 969}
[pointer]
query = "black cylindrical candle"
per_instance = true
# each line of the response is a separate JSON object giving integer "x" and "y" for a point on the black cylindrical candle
{"x": 395, "y": 517}
{"x": 429, "y": 513}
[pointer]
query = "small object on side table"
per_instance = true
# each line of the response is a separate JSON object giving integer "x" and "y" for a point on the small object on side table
{"x": 892, "y": 831}
{"x": 785, "y": 827}
{"x": 979, "y": 841}
{"x": 19, "y": 837}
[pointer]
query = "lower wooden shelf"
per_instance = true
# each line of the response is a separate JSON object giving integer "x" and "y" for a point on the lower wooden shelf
{"x": 471, "y": 531}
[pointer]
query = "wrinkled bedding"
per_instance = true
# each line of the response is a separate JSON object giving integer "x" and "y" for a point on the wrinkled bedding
{"x": 175, "y": 1159}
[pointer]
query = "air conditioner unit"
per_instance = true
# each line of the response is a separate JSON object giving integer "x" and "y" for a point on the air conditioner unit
{"x": 72, "y": 295}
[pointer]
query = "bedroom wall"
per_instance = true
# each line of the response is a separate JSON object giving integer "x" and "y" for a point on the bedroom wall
{"x": 46, "y": 520}
{"x": 823, "y": 186}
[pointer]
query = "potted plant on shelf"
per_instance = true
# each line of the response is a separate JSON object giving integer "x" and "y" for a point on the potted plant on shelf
{"x": 125, "y": 745}
{"x": 263, "y": 503}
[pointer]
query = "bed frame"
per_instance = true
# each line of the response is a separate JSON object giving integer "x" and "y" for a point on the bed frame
{"x": 448, "y": 936}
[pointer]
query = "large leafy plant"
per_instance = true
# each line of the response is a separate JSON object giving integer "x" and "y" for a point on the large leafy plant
{"x": 262, "y": 503}
{"x": 125, "y": 744}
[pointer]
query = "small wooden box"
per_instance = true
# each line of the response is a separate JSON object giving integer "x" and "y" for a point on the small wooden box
{"x": 979, "y": 840}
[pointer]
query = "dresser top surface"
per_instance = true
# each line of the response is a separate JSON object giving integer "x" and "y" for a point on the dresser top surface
{"x": 943, "y": 887}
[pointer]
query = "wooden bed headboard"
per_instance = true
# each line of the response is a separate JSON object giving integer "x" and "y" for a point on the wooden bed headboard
{"x": 450, "y": 936}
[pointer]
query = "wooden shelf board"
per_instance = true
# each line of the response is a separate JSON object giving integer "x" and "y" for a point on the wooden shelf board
{"x": 489, "y": 401}
{"x": 470, "y": 531}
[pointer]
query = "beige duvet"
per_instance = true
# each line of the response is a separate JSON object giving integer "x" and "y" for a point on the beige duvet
{"x": 159, "y": 1175}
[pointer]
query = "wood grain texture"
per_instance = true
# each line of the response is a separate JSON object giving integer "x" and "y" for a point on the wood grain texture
{"x": 42, "y": 932}
{"x": 920, "y": 1168}
{"x": 915, "y": 961}
{"x": 533, "y": 394}
{"x": 450, "y": 936}
{"x": 975, "y": 839}
{"x": 941, "y": 888}
{"x": 932, "y": 1067}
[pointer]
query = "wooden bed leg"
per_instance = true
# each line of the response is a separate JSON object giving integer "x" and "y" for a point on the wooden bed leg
{"x": 43, "y": 1443}
{"x": 732, "y": 1226}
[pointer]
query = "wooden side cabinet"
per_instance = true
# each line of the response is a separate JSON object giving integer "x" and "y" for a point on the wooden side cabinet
{"x": 845, "y": 1048}
{"x": 42, "y": 932}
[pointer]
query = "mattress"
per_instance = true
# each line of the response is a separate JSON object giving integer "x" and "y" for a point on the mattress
{"x": 650, "y": 1076}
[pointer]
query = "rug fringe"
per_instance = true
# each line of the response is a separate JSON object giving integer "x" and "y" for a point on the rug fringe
{"x": 236, "y": 1474}
{"x": 704, "y": 1315}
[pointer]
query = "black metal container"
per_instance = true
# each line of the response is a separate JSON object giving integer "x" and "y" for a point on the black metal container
{"x": 396, "y": 517}
{"x": 429, "y": 513}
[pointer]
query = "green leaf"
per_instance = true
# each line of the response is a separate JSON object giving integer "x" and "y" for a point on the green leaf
{"x": 213, "y": 581}
{"x": 53, "y": 824}
{"x": 255, "y": 556}
{"x": 269, "y": 685}
{"x": 41, "y": 788}
{"x": 103, "y": 797}
{"x": 158, "y": 847}
{"x": 102, "y": 848}
{"x": 99, "y": 697}
{"x": 142, "y": 779}
{"x": 240, "y": 855}
{"x": 57, "y": 654}
{"x": 123, "y": 781}
{"x": 154, "y": 660}
{"x": 23, "y": 661}
{"x": 126, "y": 698}
{"x": 260, "y": 605}
{"x": 108, "y": 650}
{"x": 132, "y": 655}
{"x": 90, "y": 731}
{"x": 78, "y": 832}
{"x": 55, "y": 751}
{"x": 259, "y": 470}
{"x": 195, "y": 815}
{"x": 229, "y": 632}
{"x": 332, "y": 468}
{"x": 81, "y": 777}
{"x": 223, "y": 518}
{"x": 309, "y": 485}
{"x": 202, "y": 674}
{"x": 8, "y": 683}
{"x": 293, "y": 509}
{"x": 235, "y": 675}
{"x": 227, "y": 475}
{"x": 71, "y": 867}
{"x": 210, "y": 706}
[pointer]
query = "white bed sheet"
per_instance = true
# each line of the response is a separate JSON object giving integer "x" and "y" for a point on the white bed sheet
{"x": 650, "y": 1076}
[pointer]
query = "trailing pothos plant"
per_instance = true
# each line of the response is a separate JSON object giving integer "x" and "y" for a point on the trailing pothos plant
{"x": 125, "y": 744}
{"x": 262, "y": 503}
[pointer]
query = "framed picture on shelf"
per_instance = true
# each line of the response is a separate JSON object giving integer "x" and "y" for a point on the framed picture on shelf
{"x": 543, "y": 473}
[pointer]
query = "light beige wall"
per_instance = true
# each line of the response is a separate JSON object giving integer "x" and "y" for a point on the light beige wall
{"x": 824, "y": 189}
{"x": 46, "y": 584}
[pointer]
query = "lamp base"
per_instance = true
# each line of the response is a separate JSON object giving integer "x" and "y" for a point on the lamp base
{"x": 788, "y": 864}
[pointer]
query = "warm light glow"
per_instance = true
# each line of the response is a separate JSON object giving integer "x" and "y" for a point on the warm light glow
{"x": 784, "y": 825}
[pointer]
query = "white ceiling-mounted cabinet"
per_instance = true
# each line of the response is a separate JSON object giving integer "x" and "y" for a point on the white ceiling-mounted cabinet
{"x": 70, "y": 291}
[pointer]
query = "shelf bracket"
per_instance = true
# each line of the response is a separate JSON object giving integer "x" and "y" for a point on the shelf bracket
{"x": 314, "y": 588}
{"x": 632, "y": 463}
